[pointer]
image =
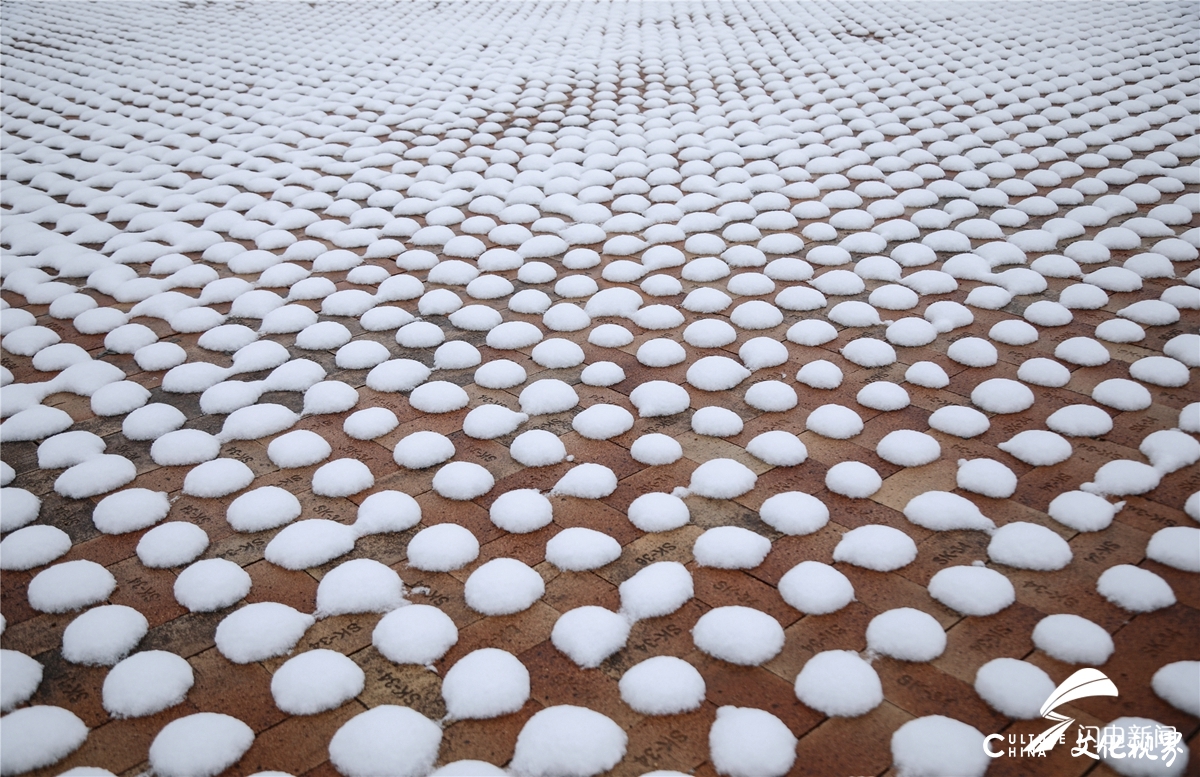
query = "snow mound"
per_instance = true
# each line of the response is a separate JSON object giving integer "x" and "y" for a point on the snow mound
{"x": 130, "y": 510}
{"x": 260, "y": 631}
{"x": 730, "y": 547}
{"x": 217, "y": 478}
{"x": 748, "y": 742}
{"x": 944, "y": 511}
{"x": 199, "y": 745}
{"x": 906, "y": 634}
{"x": 462, "y": 481}
{"x": 387, "y": 739}
{"x": 38, "y": 736}
{"x": 815, "y": 588}
{"x": 103, "y": 635}
{"x": 739, "y": 635}
{"x": 567, "y": 740}
{"x": 423, "y": 449}
{"x": 840, "y": 684}
{"x": 1001, "y": 395}
{"x": 937, "y": 745}
{"x": 301, "y": 448}
{"x": 987, "y": 477}
{"x": 907, "y": 448}
{"x": 1037, "y": 448}
{"x": 1029, "y": 546}
{"x": 853, "y": 479}
{"x": 1073, "y": 639}
{"x": 263, "y": 508}
{"x": 578, "y": 549}
{"x": 33, "y": 546}
{"x": 721, "y": 479}
{"x": 656, "y": 449}
{"x": 1083, "y": 511}
{"x": 310, "y": 543}
{"x": 657, "y": 512}
{"x": 485, "y": 684}
{"x": 442, "y": 548}
{"x": 1014, "y": 688}
{"x": 211, "y": 584}
{"x": 834, "y": 421}
{"x": 972, "y": 590}
{"x": 1178, "y": 684}
{"x": 794, "y": 512}
{"x": 22, "y": 676}
{"x": 881, "y": 548}
{"x": 588, "y": 635}
{"x": 586, "y": 481}
{"x": 1135, "y": 589}
{"x": 663, "y": 685}
{"x": 658, "y": 589}
{"x": 1175, "y": 546}
{"x": 520, "y": 511}
{"x": 146, "y": 683}
{"x": 778, "y": 448}
{"x": 503, "y": 586}
{"x": 71, "y": 585}
{"x": 416, "y": 634}
{"x": 316, "y": 681}
{"x": 359, "y": 585}
{"x": 537, "y": 448}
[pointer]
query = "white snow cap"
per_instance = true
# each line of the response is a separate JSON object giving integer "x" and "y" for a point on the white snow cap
{"x": 839, "y": 683}
{"x": 589, "y": 634}
{"x": 748, "y": 742}
{"x": 387, "y": 739}
{"x": 739, "y": 635}
{"x": 204, "y": 744}
{"x": 568, "y": 740}
{"x": 663, "y": 685}
{"x": 939, "y": 745}
{"x": 485, "y": 683}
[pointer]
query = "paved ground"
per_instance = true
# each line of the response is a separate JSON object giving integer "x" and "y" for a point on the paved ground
{"x": 299, "y": 744}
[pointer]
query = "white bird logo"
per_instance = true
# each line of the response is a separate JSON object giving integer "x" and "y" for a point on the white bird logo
{"x": 1084, "y": 683}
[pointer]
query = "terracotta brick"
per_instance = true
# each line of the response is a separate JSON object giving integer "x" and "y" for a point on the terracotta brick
{"x": 556, "y": 679}
{"x": 119, "y": 745}
{"x": 440, "y": 590}
{"x": 297, "y": 744}
{"x": 725, "y": 588}
{"x": 670, "y": 635}
{"x": 271, "y": 583}
{"x": 923, "y": 689}
{"x": 675, "y": 545}
{"x": 150, "y": 591}
{"x": 674, "y": 742}
{"x": 787, "y": 552}
{"x": 882, "y": 591}
{"x": 407, "y": 685}
{"x": 974, "y": 641}
{"x": 492, "y": 741}
{"x": 73, "y": 686}
{"x": 252, "y": 704}
{"x": 945, "y": 549}
{"x": 515, "y": 633}
{"x": 437, "y": 509}
{"x": 845, "y": 629}
{"x": 754, "y": 686}
{"x": 850, "y": 745}
{"x": 344, "y": 633}
{"x": 578, "y": 589}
